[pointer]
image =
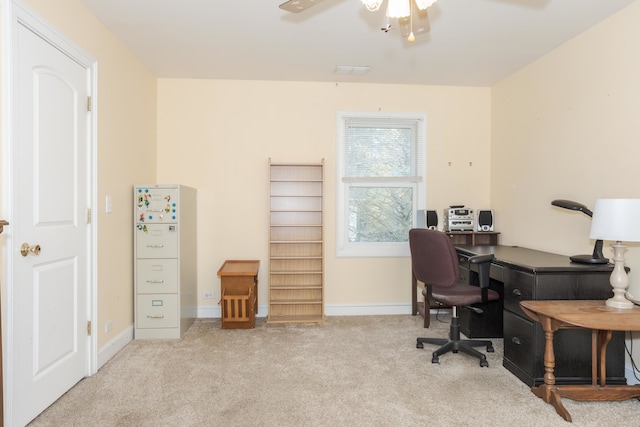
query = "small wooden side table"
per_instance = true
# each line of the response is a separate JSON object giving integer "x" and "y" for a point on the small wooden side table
{"x": 239, "y": 293}
{"x": 586, "y": 314}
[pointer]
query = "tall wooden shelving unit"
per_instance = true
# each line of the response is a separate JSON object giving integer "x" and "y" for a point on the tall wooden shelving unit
{"x": 296, "y": 248}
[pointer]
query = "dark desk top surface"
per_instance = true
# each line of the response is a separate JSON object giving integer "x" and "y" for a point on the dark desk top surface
{"x": 530, "y": 259}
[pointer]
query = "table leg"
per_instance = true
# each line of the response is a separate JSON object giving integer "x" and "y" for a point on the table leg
{"x": 594, "y": 357}
{"x": 548, "y": 391}
{"x": 603, "y": 340}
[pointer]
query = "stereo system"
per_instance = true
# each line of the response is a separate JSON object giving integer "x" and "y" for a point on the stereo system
{"x": 456, "y": 218}
{"x": 459, "y": 218}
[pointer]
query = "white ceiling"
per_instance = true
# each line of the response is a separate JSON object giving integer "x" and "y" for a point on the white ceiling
{"x": 471, "y": 43}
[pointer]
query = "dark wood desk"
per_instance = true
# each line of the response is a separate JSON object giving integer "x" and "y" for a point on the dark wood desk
{"x": 602, "y": 321}
{"x": 520, "y": 274}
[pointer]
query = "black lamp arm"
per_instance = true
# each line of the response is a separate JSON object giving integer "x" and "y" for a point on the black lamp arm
{"x": 596, "y": 257}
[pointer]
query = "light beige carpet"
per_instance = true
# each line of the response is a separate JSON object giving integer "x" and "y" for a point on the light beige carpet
{"x": 348, "y": 371}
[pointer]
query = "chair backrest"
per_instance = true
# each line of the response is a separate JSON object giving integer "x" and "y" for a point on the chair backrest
{"x": 433, "y": 258}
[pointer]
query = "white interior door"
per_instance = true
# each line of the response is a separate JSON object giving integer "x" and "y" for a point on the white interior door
{"x": 51, "y": 198}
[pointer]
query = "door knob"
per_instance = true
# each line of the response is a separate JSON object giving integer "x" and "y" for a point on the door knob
{"x": 25, "y": 249}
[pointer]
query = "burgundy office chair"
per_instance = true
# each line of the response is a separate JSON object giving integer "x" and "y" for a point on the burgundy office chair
{"x": 435, "y": 263}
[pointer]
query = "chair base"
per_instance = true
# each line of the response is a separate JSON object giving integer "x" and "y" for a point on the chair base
{"x": 455, "y": 344}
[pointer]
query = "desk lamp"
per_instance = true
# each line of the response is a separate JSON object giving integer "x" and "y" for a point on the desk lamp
{"x": 597, "y": 257}
{"x": 618, "y": 220}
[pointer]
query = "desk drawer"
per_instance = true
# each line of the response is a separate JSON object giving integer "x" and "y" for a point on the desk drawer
{"x": 518, "y": 286}
{"x": 463, "y": 261}
{"x": 519, "y": 343}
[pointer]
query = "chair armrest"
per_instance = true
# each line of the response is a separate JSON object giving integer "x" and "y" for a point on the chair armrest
{"x": 484, "y": 265}
{"x": 479, "y": 259}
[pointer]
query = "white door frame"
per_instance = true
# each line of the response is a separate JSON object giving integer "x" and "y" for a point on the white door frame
{"x": 12, "y": 12}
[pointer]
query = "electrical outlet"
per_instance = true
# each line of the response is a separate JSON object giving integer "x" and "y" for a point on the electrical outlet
{"x": 209, "y": 295}
{"x": 108, "y": 326}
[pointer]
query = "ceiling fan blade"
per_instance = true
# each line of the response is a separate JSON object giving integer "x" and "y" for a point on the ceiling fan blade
{"x": 297, "y": 6}
{"x": 418, "y": 22}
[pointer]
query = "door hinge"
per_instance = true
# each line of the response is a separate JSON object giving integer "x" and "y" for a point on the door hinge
{"x": 89, "y": 328}
{"x": 88, "y": 103}
{"x": 89, "y": 216}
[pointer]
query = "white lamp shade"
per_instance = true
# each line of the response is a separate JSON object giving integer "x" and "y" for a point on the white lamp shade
{"x": 616, "y": 219}
{"x": 398, "y": 8}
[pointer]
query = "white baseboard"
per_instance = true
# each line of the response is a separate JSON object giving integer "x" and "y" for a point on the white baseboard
{"x": 112, "y": 348}
{"x": 329, "y": 310}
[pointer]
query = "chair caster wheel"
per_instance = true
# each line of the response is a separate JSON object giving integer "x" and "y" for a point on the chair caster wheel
{"x": 419, "y": 345}
{"x": 490, "y": 349}
{"x": 435, "y": 359}
{"x": 484, "y": 363}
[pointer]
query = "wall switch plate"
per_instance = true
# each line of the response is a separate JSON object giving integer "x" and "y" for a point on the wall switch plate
{"x": 108, "y": 204}
{"x": 209, "y": 295}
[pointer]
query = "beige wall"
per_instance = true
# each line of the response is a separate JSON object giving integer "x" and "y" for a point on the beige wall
{"x": 126, "y": 151}
{"x": 218, "y": 136}
{"x": 567, "y": 127}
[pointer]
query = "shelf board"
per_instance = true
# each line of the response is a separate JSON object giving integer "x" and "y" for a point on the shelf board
{"x": 295, "y": 318}
{"x": 295, "y": 302}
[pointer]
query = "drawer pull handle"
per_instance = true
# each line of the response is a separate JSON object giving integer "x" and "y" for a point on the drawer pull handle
{"x": 517, "y": 292}
{"x": 155, "y": 281}
{"x": 156, "y": 317}
{"x": 516, "y": 340}
{"x": 155, "y": 246}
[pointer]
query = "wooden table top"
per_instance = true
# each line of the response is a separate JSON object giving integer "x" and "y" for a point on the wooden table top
{"x": 587, "y": 314}
{"x": 239, "y": 268}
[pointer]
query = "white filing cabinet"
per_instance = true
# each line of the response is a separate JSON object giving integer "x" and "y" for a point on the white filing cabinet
{"x": 165, "y": 260}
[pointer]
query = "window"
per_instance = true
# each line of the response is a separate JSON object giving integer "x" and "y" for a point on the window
{"x": 381, "y": 182}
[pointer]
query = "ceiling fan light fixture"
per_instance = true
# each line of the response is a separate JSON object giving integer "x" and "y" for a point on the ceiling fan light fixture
{"x": 423, "y": 4}
{"x": 398, "y": 8}
{"x": 350, "y": 69}
{"x": 372, "y": 5}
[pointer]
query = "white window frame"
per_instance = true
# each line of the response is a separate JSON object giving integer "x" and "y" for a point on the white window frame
{"x": 344, "y": 248}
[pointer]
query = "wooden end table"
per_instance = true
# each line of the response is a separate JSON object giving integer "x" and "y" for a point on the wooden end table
{"x": 586, "y": 314}
{"x": 239, "y": 293}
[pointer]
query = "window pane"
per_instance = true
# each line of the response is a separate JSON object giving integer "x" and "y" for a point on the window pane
{"x": 380, "y": 214}
{"x": 378, "y": 152}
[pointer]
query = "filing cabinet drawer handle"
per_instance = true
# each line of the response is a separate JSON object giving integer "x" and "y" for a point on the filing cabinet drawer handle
{"x": 516, "y": 340}
{"x": 155, "y": 281}
{"x": 517, "y": 292}
{"x": 155, "y": 246}
{"x": 156, "y": 317}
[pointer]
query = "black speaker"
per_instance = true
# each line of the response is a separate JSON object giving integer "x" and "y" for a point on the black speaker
{"x": 485, "y": 220}
{"x": 427, "y": 219}
{"x": 432, "y": 220}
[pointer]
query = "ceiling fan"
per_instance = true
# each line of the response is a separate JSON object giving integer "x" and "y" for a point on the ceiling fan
{"x": 412, "y": 15}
